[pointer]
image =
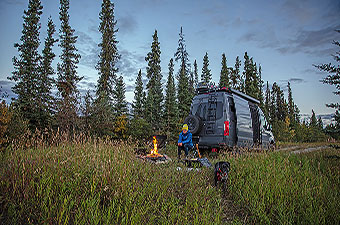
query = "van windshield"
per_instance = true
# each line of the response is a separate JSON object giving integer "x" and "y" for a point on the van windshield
{"x": 201, "y": 110}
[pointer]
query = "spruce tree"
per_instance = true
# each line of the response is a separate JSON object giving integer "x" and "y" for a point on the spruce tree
{"x": 27, "y": 66}
{"x": 333, "y": 78}
{"x": 182, "y": 55}
{"x": 320, "y": 123}
{"x": 184, "y": 94}
{"x": 106, "y": 101}
{"x": 196, "y": 73}
{"x": 138, "y": 103}
{"x": 154, "y": 97}
{"x": 251, "y": 83}
{"x": 236, "y": 80}
{"x": 291, "y": 105}
{"x": 267, "y": 103}
{"x": 87, "y": 110}
{"x": 67, "y": 71}
{"x": 224, "y": 78}
{"x": 191, "y": 84}
{"x": 120, "y": 109}
{"x": 206, "y": 74}
{"x": 108, "y": 55}
{"x": 170, "y": 106}
{"x": 260, "y": 86}
{"x": 313, "y": 121}
{"x": 247, "y": 74}
{"x": 297, "y": 114}
{"x": 121, "y": 105}
{"x": 46, "y": 80}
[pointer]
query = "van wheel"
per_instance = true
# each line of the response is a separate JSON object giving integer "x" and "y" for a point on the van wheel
{"x": 194, "y": 124}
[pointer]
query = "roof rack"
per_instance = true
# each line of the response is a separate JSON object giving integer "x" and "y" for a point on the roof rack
{"x": 204, "y": 88}
{"x": 242, "y": 95}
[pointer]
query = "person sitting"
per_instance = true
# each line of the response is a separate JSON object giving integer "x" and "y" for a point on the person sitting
{"x": 184, "y": 141}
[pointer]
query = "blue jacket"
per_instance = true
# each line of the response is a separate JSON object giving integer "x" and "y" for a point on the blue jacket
{"x": 185, "y": 138}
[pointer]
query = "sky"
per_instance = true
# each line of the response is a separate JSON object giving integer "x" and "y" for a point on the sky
{"x": 285, "y": 37}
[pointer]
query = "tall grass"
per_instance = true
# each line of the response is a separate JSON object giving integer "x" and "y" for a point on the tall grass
{"x": 282, "y": 188}
{"x": 101, "y": 182}
{"x": 91, "y": 181}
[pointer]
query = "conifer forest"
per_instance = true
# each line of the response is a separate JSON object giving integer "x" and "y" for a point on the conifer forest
{"x": 68, "y": 156}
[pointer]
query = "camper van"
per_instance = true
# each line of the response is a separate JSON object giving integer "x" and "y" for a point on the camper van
{"x": 224, "y": 117}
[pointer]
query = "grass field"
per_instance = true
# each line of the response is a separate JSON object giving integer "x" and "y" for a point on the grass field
{"x": 102, "y": 182}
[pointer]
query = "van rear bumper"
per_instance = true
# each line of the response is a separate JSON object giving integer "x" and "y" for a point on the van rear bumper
{"x": 213, "y": 142}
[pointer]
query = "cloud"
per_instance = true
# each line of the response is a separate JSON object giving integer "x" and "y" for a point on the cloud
{"x": 130, "y": 63}
{"x": 313, "y": 42}
{"x": 307, "y": 40}
{"x": 296, "y": 80}
{"x": 87, "y": 85}
{"x": 265, "y": 39}
{"x": 130, "y": 88}
{"x": 127, "y": 24}
{"x": 88, "y": 49}
{"x": 313, "y": 71}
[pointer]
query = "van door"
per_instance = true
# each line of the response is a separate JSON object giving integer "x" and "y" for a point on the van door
{"x": 232, "y": 121}
{"x": 244, "y": 126}
{"x": 255, "y": 121}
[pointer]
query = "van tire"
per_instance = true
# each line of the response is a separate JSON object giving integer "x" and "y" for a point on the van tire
{"x": 194, "y": 123}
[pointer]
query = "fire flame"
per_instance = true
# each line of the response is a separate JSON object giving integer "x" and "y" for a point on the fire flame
{"x": 154, "y": 151}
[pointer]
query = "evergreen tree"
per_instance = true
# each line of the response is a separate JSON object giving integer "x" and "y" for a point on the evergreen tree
{"x": 296, "y": 114}
{"x": 224, "y": 78}
{"x": 182, "y": 55}
{"x": 121, "y": 104}
{"x": 108, "y": 55}
{"x": 247, "y": 74}
{"x": 192, "y": 86}
{"x": 320, "y": 123}
{"x": 67, "y": 71}
{"x": 27, "y": 66}
{"x": 291, "y": 105}
{"x": 196, "y": 73}
{"x": 333, "y": 78}
{"x": 313, "y": 122}
{"x": 46, "y": 80}
{"x": 171, "y": 110}
{"x": 87, "y": 112}
{"x": 154, "y": 86}
{"x": 138, "y": 103}
{"x": 260, "y": 91}
{"x": 267, "y": 103}
{"x": 184, "y": 94}
{"x": 107, "y": 102}
{"x": 279, "y": 107}
{"x": 252, "y": 81}
{"x": 315, "y": 129}
{"x": 236, "y": 79}
{"x": 206, "y": 74}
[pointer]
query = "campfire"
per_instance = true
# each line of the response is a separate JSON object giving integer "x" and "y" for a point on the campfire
{"x": 154, "y": 151}
{"x": 158, "y": 142}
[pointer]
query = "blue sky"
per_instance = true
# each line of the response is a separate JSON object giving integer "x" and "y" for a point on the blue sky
{"x": 285, "y": 36}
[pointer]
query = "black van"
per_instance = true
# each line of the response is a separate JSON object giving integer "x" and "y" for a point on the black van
{"x": 226, "y": 117}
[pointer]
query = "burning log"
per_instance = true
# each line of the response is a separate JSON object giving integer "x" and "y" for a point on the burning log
{"x": 153, "y": 156}
{"x": 154, "y": 151}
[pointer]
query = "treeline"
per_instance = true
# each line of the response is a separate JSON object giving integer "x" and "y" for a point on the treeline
{"x": 156, "y": 108}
